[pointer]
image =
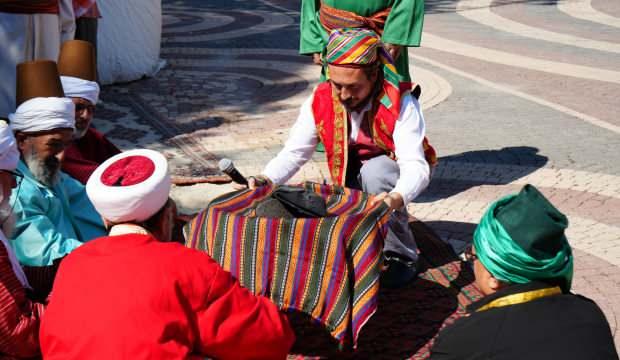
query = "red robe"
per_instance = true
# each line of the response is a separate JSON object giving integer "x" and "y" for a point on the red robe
{"x": 19, "y": 318}
{"x": 84, "y": 155}
{"x": 133, "y": 297}
{"x": 29, "y": 7}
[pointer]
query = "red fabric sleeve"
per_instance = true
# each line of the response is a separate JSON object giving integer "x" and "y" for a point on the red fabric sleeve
{"x": 235, "y": 324}
{"x": 19, "y": 318}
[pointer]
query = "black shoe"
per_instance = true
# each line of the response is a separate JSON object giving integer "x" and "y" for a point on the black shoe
{"x": 398, "y": 271}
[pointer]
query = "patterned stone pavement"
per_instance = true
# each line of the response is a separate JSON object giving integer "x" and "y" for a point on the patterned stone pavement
{"x": 515, "y": 92}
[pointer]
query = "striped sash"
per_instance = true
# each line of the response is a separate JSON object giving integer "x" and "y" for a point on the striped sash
{"x": 327, "y": 268}
{"x": 332, "y": 18}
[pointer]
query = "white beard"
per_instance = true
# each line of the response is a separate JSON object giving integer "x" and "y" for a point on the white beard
{"x": 47, "y": 173}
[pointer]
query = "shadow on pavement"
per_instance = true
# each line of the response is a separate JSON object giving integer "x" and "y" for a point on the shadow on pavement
{"x": 458, "y": 173}
{"x": 457, "y": 235}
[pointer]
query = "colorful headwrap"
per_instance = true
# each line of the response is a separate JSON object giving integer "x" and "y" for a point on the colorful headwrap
{"x": 521, "y": 239}
{"x": 362, "y": 47}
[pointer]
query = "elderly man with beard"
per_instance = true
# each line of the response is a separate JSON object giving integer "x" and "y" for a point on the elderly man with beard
{"x": 374, "y": 137}
{"x": 19, "y": 317}
{"x": 90, "y": 148}
{"x": 54, "y": 214}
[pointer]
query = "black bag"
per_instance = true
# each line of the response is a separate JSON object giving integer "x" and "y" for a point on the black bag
{"x": 296, "y": 201}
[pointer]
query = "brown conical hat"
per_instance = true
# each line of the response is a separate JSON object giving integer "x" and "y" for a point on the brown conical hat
{"x": 37, "y": 79}
{"x": 77, "y": 59}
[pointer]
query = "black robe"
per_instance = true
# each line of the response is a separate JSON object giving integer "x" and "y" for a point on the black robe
{"x": 564, "y": 326}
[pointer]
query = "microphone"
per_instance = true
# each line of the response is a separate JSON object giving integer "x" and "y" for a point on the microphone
{"x": 228, "y": 168}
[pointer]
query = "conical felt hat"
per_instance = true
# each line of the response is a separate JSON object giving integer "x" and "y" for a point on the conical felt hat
{"x": 77, "y": 59}
{"x": 37, "y": 79}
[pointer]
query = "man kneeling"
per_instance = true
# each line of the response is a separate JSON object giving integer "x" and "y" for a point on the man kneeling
{"x": 137, "y": 294}
{"x": 524, "y": 265}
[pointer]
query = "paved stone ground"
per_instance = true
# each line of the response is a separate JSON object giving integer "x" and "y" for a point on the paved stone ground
{"x": 515, "y": 92}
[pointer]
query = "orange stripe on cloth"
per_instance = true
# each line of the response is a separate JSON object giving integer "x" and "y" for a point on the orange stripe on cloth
{"x": 327, "y": 268}
{"x": 332, "y": 18}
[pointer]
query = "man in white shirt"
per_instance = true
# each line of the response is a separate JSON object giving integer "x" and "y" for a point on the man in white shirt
{"x": 374, "y": 139}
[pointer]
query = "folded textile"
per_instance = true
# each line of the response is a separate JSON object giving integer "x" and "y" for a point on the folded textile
{"x": 326, "y": 267}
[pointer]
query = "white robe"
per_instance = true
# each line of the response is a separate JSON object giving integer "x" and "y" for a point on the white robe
{"x": 26, "y": 37}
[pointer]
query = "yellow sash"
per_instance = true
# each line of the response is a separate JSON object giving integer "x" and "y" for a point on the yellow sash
{"x": 521, "y": 298}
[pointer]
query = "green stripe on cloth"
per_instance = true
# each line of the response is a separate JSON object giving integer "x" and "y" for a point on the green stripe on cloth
{"x": 326, "y": 267}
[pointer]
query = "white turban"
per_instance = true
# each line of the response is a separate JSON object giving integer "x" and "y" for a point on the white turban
{"x": 43, "y": 113}
{"x": 9, "y": 155}
{"x": 76, "y": 87}
{"x": 130, "y": 186}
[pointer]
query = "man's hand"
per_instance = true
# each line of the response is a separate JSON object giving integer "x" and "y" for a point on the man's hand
{"x": 393, "y": 200}
{"x": 316, "y": 59}
{"x": 394, "y": 50}
{"x": 253, "y": 182}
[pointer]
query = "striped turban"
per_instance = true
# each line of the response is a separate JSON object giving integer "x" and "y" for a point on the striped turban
{"x": 521, "y": 239}
{"x": 352, "y": 47}
{"x": 361, "y": 47}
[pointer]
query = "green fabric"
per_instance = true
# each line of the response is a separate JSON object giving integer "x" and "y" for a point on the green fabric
{"x": 519, "y": 262}
{"x": 403, "y": 26}
{"x": 534, "y": 223}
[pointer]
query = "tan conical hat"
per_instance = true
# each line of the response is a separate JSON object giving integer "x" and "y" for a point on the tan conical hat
{"x": 77, "y": 59}
{"x": 37, "y": 79}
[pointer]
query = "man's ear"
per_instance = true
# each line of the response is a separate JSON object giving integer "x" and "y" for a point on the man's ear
{"x": 21, "y": 138}
{"x": 494, "y": 284}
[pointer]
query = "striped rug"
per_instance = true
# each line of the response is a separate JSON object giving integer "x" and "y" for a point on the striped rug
{"x": 327, "y": 268}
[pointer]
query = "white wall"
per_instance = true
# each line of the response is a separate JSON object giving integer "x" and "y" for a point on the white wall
{"x": 129, "y": 37}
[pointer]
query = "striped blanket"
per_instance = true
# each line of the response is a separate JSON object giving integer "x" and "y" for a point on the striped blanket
{"x": 327, "y": 268}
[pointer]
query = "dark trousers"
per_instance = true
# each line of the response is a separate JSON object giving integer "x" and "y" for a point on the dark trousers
{"x": 86, "y": 29}
{"x": 379, "y": 175}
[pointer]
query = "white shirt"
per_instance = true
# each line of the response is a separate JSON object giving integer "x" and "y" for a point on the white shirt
{"x": 409, "y": 132}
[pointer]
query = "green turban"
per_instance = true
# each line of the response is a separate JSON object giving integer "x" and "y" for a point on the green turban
{"x": 521, "y": 238}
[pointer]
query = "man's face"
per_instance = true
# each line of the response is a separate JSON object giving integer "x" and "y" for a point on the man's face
{"x": 352, "y": 85}
{"x": 84, "y": 112}
{"x": 484, "y": 280}
{"x": 42, "y": 152}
